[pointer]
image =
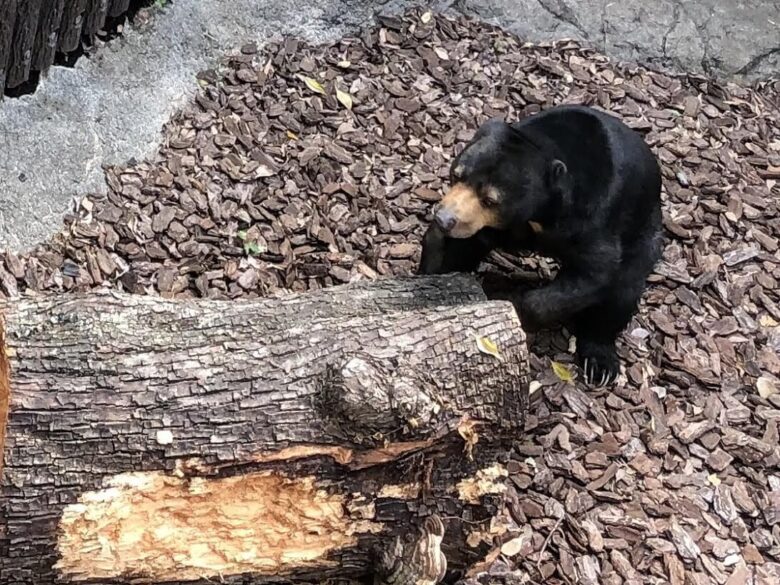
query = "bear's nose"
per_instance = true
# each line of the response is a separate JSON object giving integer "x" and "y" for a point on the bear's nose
{"x": 446, "y": 219}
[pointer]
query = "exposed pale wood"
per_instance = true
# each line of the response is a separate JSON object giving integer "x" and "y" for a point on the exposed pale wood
{"x": 159, "y": 441}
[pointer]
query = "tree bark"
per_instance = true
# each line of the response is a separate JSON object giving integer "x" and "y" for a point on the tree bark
{"x": 155, "y": 441}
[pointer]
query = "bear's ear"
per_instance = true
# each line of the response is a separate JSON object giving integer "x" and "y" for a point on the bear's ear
{"x": 558, "y": 178}
{"x": 557, "y": 171}
{"x": 458, "y": 171}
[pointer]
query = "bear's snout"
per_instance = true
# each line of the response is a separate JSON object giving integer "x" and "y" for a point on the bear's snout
{"x": 445, "y": 219}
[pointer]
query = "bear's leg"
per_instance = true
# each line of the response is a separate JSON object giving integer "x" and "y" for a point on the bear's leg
{"x": 567, "y": 295}
{"x": 442, "y": 255}
{"x": 598, "y": 326}
{"x": 597, "y": 329}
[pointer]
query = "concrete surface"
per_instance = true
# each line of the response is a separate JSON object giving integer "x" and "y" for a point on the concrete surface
{"x": 728, "y": 39}
{"x": 111, "y": 107}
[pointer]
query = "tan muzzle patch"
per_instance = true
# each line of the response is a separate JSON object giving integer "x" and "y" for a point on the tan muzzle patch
{"x": 469, "y": 210}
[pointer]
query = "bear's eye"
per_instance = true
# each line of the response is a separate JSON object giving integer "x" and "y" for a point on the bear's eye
{"x": 491, "y": 196}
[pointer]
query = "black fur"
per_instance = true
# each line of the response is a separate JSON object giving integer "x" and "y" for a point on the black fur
{"x": 594, "y": 186}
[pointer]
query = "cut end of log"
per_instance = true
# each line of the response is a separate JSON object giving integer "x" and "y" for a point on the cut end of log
{"x": 157, "y": 528}
{"x": 5, "y": 389}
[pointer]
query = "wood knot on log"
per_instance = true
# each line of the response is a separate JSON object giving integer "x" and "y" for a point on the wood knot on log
{"x": 368, "y": 400}
{"x": 420, "y": 562}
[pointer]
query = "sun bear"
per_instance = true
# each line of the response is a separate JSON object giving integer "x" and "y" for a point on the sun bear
{"x": 571, "y": 183}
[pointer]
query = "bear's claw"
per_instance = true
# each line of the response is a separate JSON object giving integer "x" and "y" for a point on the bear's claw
{"x": 600, "y": 365}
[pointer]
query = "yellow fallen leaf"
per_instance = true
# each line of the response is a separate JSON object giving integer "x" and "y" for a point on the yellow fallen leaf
{"x": 312, "y": 84}
{"x": 426, "y": 17}
{"x": 292, "y": 135}
{"x": 563, "y": 373}
{"x": 714, "y": 479}
{"x": 767, "y": 321}
{"x": 344, "y": 98}
{"x": 485, "y": 345}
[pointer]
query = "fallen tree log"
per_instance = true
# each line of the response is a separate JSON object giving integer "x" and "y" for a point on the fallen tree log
{"x": 155, "y": 441}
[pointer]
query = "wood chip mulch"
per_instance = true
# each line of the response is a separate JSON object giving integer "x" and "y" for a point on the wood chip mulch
{"x": 299, "y": 167}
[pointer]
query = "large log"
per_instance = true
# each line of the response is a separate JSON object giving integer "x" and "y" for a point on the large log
{"x": 155, "y": 441}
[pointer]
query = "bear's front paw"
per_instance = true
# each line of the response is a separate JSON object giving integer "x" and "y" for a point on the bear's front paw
{"x": 534, "y": 310}
{"x": 432, "y": 256}
{"x": 599, "y": 362}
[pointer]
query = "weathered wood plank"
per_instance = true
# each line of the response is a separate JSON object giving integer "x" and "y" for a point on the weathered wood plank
{"x": 71, "y": 26}
{"x": 7, "y": 22}
{"x": 118, "y": 7}
{"x": 27, "y": 12}
{"x": 45, "y": 47}
{"x": 96, "y": 13}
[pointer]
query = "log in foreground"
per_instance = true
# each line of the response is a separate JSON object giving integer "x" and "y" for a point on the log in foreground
{"x": 155, "y": 441}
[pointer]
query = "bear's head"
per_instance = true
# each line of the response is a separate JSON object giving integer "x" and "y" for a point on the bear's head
{"x": 500, "y": 179}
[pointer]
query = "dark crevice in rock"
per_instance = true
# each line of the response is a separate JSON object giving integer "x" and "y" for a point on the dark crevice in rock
{"x": 675, "y": 23}
{"x": 701, "y": 31}
{"x": 603, "y": 31}
{"x": 561, "y": 11}
{"x": 756, "y": 61}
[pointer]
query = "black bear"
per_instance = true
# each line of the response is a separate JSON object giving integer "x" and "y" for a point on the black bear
{"x": 572, "y": 183}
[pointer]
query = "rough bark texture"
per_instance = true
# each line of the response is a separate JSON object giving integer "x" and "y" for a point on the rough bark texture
{"x": 118, "y": 7}
{"x": 96, "y": 17}
{"x": 7, "y": 21}
{"x": 47, "y": 36}
{"x": 160, "y": 441}
{"x": 71, "y": 25}
{"x": 22, "y": 43}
